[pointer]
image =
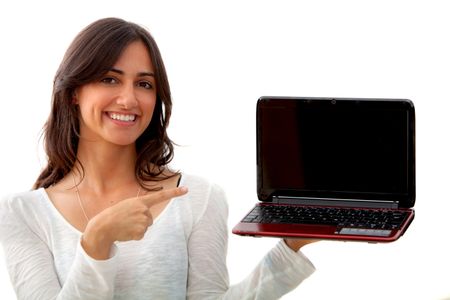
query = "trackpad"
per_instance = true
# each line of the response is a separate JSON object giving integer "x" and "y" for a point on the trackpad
{"x": 363, "y": 231}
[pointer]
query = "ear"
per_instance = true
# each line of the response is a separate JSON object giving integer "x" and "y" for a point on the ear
{"x": 75, "y": 97}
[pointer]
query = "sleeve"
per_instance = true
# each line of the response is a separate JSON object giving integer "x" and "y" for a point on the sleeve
{"x": 279, "y": 272}
{"x": 31, "y": 268}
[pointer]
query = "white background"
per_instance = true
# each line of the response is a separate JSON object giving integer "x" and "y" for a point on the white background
{"x": 220, "y": 57}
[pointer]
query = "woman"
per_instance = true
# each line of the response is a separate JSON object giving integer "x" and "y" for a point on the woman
{"x": 107, "y": 218}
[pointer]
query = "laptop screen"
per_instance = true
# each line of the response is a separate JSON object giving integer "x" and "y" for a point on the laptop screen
{"x": 336, "y": 148}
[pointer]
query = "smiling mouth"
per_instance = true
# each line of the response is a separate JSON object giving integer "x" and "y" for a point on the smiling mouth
{"x": 122, "y": 117}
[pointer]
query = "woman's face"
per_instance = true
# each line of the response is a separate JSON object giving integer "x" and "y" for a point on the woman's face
{"x": 118, "y": 108}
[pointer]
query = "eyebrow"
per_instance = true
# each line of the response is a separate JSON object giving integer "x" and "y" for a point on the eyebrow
{"x": 140, "y": 74}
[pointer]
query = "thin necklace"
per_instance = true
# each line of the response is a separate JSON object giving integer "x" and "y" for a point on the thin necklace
{"x": 81, "y": 203}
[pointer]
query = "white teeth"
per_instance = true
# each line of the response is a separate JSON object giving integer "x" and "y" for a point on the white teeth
{"x": 120, "y": 117}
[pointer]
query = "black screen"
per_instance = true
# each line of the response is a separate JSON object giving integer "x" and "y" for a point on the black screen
{"x": 334, "y": 148}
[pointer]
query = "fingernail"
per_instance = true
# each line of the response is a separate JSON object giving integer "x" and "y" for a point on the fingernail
{"x": 183, "y": 189}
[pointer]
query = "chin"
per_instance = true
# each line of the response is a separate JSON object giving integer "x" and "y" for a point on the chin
{"x": 123, "y": 141}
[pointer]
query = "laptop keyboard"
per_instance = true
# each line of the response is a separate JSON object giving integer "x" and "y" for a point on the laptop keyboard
{"x": 340, "y": 217}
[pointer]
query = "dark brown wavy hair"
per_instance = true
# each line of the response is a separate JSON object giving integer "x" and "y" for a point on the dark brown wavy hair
{"x": 91, "y": 54}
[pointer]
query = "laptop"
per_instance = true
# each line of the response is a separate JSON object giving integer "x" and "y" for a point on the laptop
{"x": 333, "y": 168}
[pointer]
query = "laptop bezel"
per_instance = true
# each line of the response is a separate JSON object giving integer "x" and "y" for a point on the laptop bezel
{"x": 404, "y": 201}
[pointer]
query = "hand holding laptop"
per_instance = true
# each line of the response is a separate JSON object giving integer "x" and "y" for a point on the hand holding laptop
{"x": 296, "y": 244}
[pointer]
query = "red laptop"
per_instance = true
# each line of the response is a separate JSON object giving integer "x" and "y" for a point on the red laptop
{"x": 333, "y": 168}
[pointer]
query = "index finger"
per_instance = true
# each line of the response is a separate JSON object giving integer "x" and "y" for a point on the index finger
{"x": 163, "y": 195}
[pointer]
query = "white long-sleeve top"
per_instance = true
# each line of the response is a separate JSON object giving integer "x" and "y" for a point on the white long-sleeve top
{"x": 182, "y": 255}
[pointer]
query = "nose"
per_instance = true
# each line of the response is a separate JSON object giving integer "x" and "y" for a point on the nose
{"x": 127, "y": 97}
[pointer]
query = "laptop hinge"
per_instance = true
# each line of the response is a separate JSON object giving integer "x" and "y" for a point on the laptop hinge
{"x": 336, "y": 202}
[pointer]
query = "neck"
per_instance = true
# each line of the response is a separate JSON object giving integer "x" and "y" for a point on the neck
{"x": 106, "y": 167}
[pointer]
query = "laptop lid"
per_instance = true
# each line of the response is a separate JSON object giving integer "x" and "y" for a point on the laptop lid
{"x": 338, "y": 150}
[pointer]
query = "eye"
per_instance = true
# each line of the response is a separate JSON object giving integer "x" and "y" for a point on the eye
{"x": 108, "y": 80}
{"x": 145, "y": 84}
